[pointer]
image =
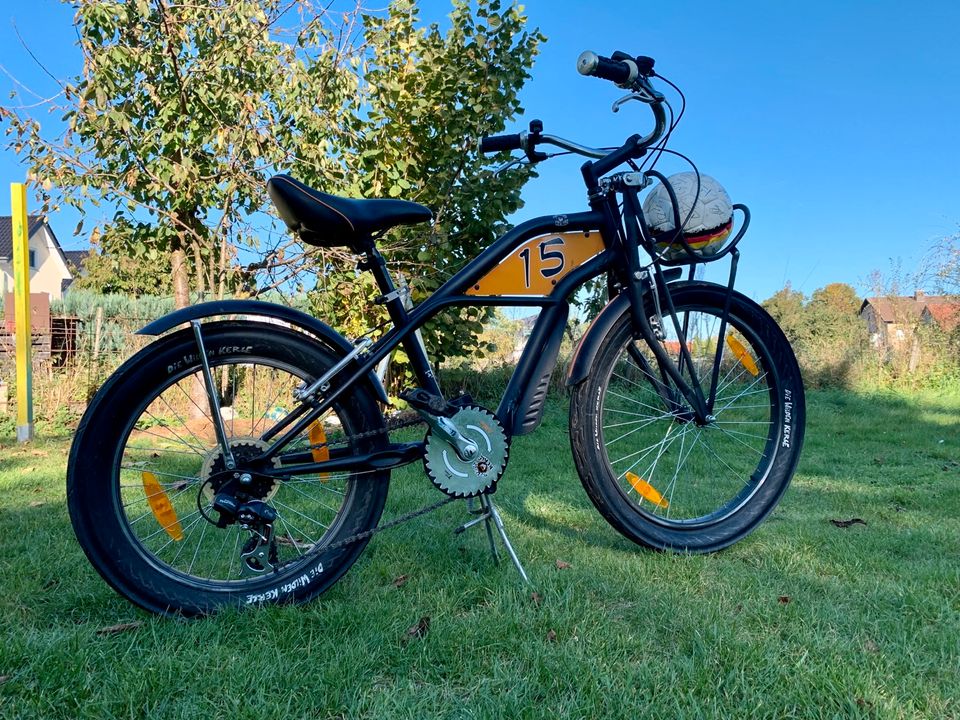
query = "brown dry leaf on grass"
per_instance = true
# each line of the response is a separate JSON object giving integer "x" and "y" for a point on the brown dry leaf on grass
{"x": 848, "y": 523}
{"x": 783, "y": 599}
{"x": 401, "y": 580}
{"x": 536, "y": 597}
{"x": 420, "y": 629}
{"x": 563, "y": 565}
{"x": 122, "y": 627}
{"x": 551, "y": 636}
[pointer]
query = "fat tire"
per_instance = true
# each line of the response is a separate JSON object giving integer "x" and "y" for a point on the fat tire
{"x": 93, "y": 496}
{"x": 594, "y": 467}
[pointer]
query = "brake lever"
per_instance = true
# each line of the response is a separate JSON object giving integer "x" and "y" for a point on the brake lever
{"x": 619, "y": 102}
{"x": 507, "y": 165}
{"x": 641, "y": 94}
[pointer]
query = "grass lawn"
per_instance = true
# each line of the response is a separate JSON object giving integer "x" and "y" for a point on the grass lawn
{"x": 802, "y": 619}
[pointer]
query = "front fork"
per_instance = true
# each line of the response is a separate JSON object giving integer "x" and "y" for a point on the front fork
{"x": 648, "y": 324}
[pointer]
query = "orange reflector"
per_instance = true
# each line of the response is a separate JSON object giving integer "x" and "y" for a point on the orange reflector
{"x": 740, "y": 352}
{"x": 318, "y": 436}
{"x": 160, "y": 506}
{"x": 647, "y": 491}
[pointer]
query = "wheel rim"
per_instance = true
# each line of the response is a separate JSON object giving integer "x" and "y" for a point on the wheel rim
{"x": 676, "y": 473}
{"x": 171, "y": 438}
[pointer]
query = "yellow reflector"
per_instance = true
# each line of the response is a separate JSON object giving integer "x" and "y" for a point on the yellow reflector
{"x": 318, "y": 436}
{"x": 160, "y": 506}
{"x": 740, "y": 352}
{"x": 647, "y": 491}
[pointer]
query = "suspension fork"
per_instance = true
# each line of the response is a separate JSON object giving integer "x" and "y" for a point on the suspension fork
{"x": 721, "y": 336}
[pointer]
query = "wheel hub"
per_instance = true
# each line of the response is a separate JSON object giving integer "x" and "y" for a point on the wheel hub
{"x": 244, "y": 449}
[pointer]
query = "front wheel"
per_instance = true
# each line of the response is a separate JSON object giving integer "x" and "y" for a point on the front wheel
{"x": 658, "y": 476}
{"x": 146, "y": 466}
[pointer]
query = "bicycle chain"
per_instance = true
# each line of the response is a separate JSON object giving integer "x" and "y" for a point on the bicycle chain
{"x": 386, "y": 526}
{"x": 416, "y": 420}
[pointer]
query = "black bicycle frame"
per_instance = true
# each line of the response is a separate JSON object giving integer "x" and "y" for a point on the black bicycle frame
{"x": 539, "y": 354}
{"x": 521, "y": 405}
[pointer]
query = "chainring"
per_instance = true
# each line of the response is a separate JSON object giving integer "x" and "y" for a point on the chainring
{"x": 468, "y": 478}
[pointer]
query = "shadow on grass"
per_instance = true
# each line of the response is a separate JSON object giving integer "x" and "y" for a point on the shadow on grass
{"x": 875, "y": 447}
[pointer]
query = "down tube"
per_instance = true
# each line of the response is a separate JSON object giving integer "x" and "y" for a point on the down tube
{"x": 524, "y": 399}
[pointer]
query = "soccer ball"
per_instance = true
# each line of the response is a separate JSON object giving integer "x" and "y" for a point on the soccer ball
{"x": 709, "y": 224}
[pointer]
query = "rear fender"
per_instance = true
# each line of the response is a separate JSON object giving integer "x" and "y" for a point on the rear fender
{"x": 322, "y": 332}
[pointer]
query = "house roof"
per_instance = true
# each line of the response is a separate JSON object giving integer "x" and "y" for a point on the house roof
{"x": 891, "y": 309}
{"x": 76, "y": 257}
{"x": 34, "y": 222}
{"x": 945, "y": 314}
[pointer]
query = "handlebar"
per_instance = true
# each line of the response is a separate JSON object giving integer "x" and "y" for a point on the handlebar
{"x": 622, "y": 72}
{"x": 625, "y": 71}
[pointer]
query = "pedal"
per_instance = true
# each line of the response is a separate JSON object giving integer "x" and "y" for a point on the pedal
{"x": 425, "y": 402}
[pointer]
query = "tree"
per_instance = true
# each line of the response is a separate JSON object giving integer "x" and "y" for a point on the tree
{"x": 183, "y": 110}
{"x": 836, "y": 298}
{"x": 177, "y": 116}
{"x": 946, "y": 255}
{"x": 787, "y": 308}
{"x": 428, "y": 97}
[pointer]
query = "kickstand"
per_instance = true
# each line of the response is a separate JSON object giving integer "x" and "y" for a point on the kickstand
{"x": 488, "y": 514}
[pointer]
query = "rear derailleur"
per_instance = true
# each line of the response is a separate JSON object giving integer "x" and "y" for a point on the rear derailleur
{"x": 259, "y": 553}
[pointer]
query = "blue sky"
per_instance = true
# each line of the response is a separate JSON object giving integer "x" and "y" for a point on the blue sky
{"x": 836, "y": 122}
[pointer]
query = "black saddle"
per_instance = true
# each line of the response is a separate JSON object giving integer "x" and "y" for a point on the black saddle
{"x": 327, "y": 220}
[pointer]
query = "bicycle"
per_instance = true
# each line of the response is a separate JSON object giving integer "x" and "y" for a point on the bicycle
{"x": 686, "y": 410}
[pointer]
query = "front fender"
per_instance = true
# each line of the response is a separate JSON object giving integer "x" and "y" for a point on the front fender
{"x": 301, "y": 320}
{"x": 589, "y": 344}
{"x": 586, "y": 352}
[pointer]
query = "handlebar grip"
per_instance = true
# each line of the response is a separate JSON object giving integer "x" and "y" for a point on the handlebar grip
{"x": 497, "y": 143}
{"x": 589, "y": 63}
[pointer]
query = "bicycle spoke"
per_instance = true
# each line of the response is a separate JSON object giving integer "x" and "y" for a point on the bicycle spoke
{"x": 636, "y": 402}
{"x": 708, "y": 446}
{"x": 636, "y": 429}
{"x": 681, "y": 460}
{"x": 733, "y": 433}
{"x": 193, "y": 560}
{"x": 297, "y": 512}
{"x": 197, "y": 449}
{"x": 177, "y": 494}
{"x": 312, "y": 499}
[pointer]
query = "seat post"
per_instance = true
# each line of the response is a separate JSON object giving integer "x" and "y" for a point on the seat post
{"x": 374, "y": 262}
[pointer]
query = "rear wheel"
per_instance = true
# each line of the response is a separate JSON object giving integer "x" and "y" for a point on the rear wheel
{"x": 146, "y": 465}
{"x": 657, "y": 475}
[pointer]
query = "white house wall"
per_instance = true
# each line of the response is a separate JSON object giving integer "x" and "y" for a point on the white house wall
{"x": 49, "y": 270}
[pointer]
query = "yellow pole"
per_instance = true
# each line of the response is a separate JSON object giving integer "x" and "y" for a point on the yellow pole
{"x": 21, "y": 294}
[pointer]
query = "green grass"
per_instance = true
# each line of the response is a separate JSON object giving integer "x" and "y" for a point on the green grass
{"x": 802, "y": 619}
